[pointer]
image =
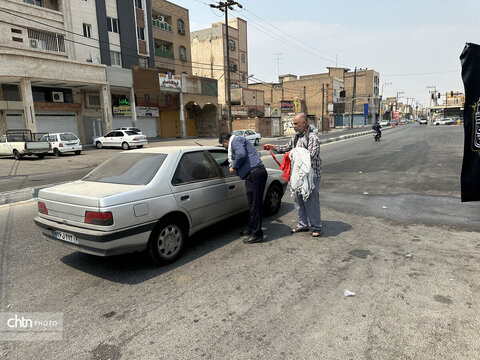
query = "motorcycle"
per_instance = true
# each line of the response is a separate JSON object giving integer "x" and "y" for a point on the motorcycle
{"x": 376, "y": 135}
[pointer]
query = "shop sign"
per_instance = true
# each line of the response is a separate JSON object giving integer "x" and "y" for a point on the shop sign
{"x": 122, "y": 110}
{"x": 170, "y": 81}
{"x": 287, "y": 106}
{"x": 297, "y": 106}
{"x": 147, "y": 111}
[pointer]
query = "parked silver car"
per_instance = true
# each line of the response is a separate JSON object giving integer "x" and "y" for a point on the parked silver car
{"x": 148, "y": 199}
{"x": 250, "y": 135}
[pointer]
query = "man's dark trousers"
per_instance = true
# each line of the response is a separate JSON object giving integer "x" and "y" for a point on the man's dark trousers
{"x": 255, "y": 186}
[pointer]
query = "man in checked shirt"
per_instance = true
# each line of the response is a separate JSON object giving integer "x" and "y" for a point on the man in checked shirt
{"x": 307, "y": 211}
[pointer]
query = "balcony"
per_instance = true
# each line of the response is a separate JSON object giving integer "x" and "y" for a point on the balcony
{"x": 162, "y": 25}
{"x": 164, "y": 53}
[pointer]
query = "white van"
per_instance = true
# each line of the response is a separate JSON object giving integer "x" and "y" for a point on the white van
{"x": 63, "y": 142}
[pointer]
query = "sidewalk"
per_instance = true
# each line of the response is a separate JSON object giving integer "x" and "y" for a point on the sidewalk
{"x": 24, "y": 194}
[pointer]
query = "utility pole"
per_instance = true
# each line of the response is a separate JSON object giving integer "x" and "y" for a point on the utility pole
{"x": 323, "y": 102}
{"x": 353, "y": 96}
{"x": 224, "y": 6}
{"x": 380, "y": 117}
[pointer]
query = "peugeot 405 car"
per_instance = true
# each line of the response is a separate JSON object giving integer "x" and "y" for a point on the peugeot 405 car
{"x": 121, "y": 138}
{"x": 148, "y": 200}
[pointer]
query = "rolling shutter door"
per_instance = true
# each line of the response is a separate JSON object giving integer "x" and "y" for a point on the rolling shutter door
{"x": 54, "y": 123}
{"x": 15, "y": 121}
{"x": 148, "y": 125}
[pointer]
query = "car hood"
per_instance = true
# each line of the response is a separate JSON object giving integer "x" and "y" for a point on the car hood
{"x": 85, "y": 193}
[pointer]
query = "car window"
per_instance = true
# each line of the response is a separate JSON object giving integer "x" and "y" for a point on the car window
{"x": 195, "y": 166}
{"x": 68, "y": 137}
{"x": 249, "y": 132}
{"x": 110, "y": 134}
{"x": 3, "y": 139}
{"x": 130, "y": 133}
{"x": 128, "y": 169}
{"x": 221, "y": 158}
{"x": 118, "y": 134}
{"x": 136, "y": 130}
{"x": 237, "y": 133}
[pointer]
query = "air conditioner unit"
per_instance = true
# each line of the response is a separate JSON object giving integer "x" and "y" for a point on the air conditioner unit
{"x": 34, "y": 43}
{"x": 160, "y": 18}
{"x": 57, "y": 96}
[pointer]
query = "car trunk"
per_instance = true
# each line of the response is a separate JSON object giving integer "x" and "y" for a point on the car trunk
{"x": 70, "y": 201}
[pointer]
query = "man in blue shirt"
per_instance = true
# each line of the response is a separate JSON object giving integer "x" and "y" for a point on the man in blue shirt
{"x": 245, "y": 161}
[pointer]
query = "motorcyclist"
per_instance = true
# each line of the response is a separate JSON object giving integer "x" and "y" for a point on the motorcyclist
{"x": 376, "y": 127}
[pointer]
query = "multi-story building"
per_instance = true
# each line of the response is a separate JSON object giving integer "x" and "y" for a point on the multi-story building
{"x": 209, "y": 53}
{"x": 67, "y": 66}
{"x": 317, "y": 95}
{"x": 45, "y": 78}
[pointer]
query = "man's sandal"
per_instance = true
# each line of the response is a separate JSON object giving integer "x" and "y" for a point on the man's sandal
{"x": 299, "y": 229}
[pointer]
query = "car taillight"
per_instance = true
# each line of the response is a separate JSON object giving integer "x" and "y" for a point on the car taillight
{"x": 136, "y": 139}
{"x": 98, "y": 218}
{"x": 42, "y": 208}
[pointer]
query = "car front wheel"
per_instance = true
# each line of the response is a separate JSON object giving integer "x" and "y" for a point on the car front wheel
{"x": 256, "y": 142}
{"x": 99, "y": 145}
{"x": 166, "y": 241}
{"x": 17, "y": 155}
{"x": 273, "y": 200}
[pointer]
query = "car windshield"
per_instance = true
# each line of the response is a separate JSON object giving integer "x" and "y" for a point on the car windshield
{"x": 237, "y": 133}
{"x": 128, "y": 169}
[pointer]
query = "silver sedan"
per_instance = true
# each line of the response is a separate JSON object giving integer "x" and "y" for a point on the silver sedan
{"x": 148, "y": 199}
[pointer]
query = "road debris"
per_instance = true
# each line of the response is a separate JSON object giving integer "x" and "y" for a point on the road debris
{"x": 348, "y": 293}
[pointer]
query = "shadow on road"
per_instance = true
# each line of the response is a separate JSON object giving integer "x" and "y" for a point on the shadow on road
{"x": 132, "y": 269}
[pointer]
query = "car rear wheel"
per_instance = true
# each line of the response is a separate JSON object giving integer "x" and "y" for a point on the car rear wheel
{"x": 17, "y": 155}
{"x": 57, "y": 152}
{"x": 125, "y": 146}
{"x": 99, "y": 145}
{"x": 139, "y": 146}
{"x": 256, "y": 142}
{"x": 78, "y": 152}
{"x": 273, "y": 200}
{"x": 166, "y": 241}
{"x": 40, "y": 156}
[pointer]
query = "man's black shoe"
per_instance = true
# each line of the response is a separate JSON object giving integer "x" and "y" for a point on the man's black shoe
{"x": 253, "y": 239}
{"x": 246, "y": 232}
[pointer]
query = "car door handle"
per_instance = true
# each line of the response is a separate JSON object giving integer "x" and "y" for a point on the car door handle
{"x": 185, "y": 198}
{"x": 231, "y": 187}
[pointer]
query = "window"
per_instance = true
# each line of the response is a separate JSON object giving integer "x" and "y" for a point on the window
{"x": 140, "y": 33}
{"x": 181, "y": 26}
{"x": 183, "y": 53}
{"x": 221, "y": 157}
{"x": 138, "y": 4}
{"x": 112, "y": 24}
{"x": 194, "y": 166}
{"x": 242, "y": 57}
{"x": 33, "y": 2}
{"x": 244, "y": 78}
{"x": 46, "y": 40}
{"x": 233, "y": 66}
{"x": 143, "y": 61}
{"x": 115, "y": 58}
{"x": 231, "y": 45}
{"x": 87, "y": 30}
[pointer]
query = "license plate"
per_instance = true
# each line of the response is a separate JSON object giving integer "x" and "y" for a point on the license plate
{"x": 60, "y": 235}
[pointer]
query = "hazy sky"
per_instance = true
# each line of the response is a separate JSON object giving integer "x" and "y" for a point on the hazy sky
{"x": 413, "y": 44}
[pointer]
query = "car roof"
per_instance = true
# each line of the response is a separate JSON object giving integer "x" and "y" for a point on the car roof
{"x": 172, "y": 149}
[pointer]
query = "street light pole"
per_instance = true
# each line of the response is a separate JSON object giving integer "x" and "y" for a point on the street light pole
{"x": 224, "y": 6}
{"x": 381, "y": 98}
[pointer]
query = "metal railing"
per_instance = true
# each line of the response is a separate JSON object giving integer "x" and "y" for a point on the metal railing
{"x": 164, "y": 53}
{"x": 45, "y": 40}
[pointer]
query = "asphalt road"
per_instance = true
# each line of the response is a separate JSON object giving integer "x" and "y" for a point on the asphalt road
{"x": 416, "y": 286}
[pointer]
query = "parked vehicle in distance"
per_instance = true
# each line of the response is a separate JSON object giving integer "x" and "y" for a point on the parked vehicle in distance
{"x": 394, "y": 122}
{"x": 120, "y": 138}
{"x": 149, "y": 199}
{"x": 444, "y": 121}
{"x": 384, "y": 123}
{"x": 128, "y": 128}
{"x": 63, "y": 142}
{"x": 422, "y": 121}
{"x": 23, "y": 142}
{"x": 250, "y": 135}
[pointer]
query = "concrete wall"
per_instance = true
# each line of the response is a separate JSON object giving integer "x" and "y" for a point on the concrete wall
{"x": 85, "y": 12}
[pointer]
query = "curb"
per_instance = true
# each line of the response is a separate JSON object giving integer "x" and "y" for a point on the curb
{"x": 14, "y": 196}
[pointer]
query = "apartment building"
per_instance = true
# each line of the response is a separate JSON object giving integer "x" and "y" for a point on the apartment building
{"x": 43, "y": 84}
{"x": 209, "y": 54}
{"x": 317, "y": 95}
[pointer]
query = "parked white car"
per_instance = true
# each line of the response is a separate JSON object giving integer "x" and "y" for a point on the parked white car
{"x": 250, "y": 135}
{"x": 120, "y": 138}
{"x": 63, "y": 142}
{"x": 148, "y": 199}
{"x": 128, "y": 128}
{"x": 384, "y": 123}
